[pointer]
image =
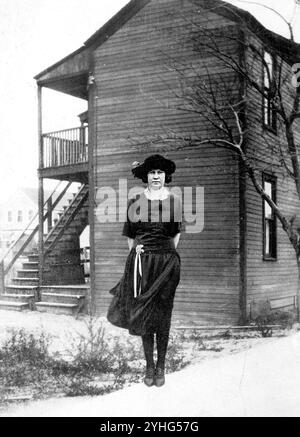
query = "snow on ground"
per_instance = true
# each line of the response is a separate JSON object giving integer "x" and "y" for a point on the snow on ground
{"x": 64, "y": 330}
{"x": 261, "y": 382}
{"x": 251, "y": 377}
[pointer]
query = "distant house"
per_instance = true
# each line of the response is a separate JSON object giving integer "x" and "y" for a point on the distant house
{"x": 241, "y": 257}
{"x": 15, "y": 214}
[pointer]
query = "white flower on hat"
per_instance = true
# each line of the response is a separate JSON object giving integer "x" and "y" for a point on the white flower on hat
{"x": 135, "y": 164}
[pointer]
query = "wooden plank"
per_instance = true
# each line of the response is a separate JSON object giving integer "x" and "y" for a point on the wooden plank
{"x": 92, "y": 133}
{"x": 135, "y": 101}
{"x": 41, "y": 188}
{"x": 2, "y": 284}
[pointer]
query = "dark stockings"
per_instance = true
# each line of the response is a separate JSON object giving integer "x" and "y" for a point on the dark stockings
{"x": 162, "y": 339}
{"x": 148, "y": 344}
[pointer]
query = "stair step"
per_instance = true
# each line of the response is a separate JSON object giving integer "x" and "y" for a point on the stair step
{"x": 57, "y": 308}
{"x": 70, "y": 290}
{"x": 19, "y": 289}
{"x": 25, "y": 298}
{"x": 25, "y": 281}
{"x": 33, "y": 274}
{"x": 31, "y": 252}
{"x": 30, "y": 265}
{"x": 33, "y": 258}
{"x": 59, "y": 227}
{"x": 62, "y": 298}
{"x": 13, "y": 306}
{"x": 63, "y": 239}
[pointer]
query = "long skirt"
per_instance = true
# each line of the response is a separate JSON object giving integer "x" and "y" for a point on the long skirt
{"x": 152, "y": 308}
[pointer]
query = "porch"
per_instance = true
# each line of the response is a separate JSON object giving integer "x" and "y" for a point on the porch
{"x": 65, "y": 154}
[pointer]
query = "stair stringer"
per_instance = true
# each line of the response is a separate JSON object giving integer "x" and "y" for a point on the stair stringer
{"x": 62, "y": 264}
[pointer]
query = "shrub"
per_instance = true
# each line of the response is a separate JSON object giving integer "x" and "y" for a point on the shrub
{"x": 284, "y": 318}
{"x": 24, "y": 358}
{"x": 176, "y": 357}
{"x": 22, "y": 347}
{"x": 80, "y": 387}
{"x": 92, "y": 351}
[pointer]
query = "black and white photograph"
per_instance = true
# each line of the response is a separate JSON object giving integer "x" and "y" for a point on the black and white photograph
{"x": 149, "y": 211}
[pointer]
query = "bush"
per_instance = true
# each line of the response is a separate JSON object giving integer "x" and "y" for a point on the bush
{"x": 24, "y": 358}
{"x": 284, "y": 318}
{"x": 92, "y": 351}
{"x": 23, "y": 347}
{"x": 80, "y": 387}
{"x": 176, "y": 356}
{"x": 26, "y": 363}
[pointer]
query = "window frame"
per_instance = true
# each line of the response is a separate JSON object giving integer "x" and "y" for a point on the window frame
{"x": 273, "y": 233}
{"x": 20, "y": 216}
{"x": 271, "y": 125}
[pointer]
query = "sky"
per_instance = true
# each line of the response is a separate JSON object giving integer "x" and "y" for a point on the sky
{"x": 35, "y": 34}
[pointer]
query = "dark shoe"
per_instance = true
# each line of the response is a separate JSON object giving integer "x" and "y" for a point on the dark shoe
{"x": 149, "y": 377}
{"x": 159, "y": 377}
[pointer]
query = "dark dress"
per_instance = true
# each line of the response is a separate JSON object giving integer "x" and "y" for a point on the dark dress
{"x": 143, "y": 299}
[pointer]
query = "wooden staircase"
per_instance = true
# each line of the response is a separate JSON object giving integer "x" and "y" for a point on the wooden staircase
{"x": 63, "y": 299}
{"x": 24, "y": 293}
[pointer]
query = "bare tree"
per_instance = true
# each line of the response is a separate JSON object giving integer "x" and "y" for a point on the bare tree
{"x": 215, "y": 100}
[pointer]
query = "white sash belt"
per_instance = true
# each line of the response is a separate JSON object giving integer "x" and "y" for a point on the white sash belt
{"x": 138, "y": 270}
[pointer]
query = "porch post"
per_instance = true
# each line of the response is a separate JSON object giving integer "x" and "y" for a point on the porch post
{"x": 92, "y": 134}
{"x": 49, "y": 211}
{"x": 2, "y": 286}
{"x": 41, "y": 189}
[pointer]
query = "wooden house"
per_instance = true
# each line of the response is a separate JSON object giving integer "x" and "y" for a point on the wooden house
{"x": 240, "y": 258}
{"x": 14, "y": 212}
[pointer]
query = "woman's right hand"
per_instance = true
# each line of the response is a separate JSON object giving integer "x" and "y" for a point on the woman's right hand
{"x": 130, "y": 243}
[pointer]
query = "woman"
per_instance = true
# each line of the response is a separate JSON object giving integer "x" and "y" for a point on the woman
{"x": 143, "y": 299}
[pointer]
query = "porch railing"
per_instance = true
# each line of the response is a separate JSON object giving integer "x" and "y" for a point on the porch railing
{"x": 65, "y": 147}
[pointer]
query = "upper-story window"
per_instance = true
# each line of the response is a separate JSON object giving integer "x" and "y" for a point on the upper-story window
{"x": 269, "y": 220}
{"x": 20, "y": 216}
{"x": 9, "y": 216}
{"x": 30, "y": 215}
{"x": 269, "y": 78}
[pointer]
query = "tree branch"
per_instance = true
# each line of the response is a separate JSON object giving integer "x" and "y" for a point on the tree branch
{"x": 288, "y": 23}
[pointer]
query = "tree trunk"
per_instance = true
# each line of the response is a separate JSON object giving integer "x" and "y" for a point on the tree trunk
{"x": 298, "y": 290}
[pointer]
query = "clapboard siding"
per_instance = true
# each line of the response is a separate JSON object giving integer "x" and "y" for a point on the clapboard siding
{"x": 268, "y": 280}
{"x": 135, "y": 103}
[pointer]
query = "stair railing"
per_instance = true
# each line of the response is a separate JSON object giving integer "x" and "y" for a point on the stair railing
{"x": 65, "y": 213}
{"x": 2, "y": 277}
{"x": 83, "y": 195}
{"x": 5, "y": 269}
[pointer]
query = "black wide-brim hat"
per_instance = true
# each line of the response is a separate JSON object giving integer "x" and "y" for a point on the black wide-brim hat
{"x": 154, "y": 162}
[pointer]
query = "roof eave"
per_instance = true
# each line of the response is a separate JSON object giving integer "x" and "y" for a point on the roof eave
{"x": 104, "y": 33}
{"x": 57, "y": 64}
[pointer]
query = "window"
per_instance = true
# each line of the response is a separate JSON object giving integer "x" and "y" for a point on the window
{"x": 20, "y": 216}
{"x": 269, "y": 79}
{"x": 30, "y": 215}
{"x": 9, "y": 216}
{"x": 269, "y": 220}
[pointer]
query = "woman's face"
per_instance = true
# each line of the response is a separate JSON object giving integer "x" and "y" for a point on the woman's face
{"x": 156, "y": 179}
